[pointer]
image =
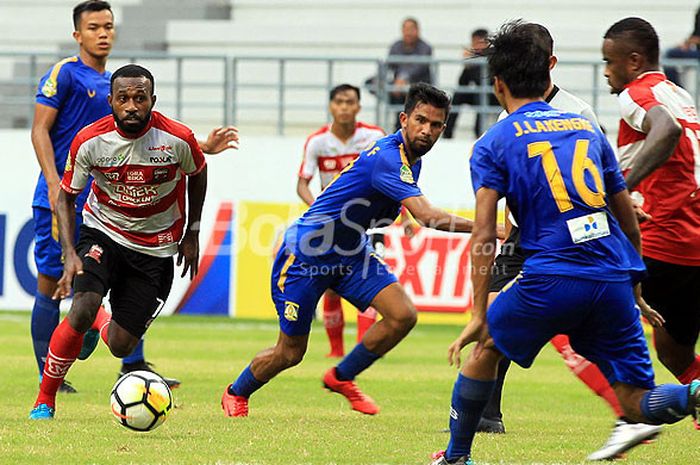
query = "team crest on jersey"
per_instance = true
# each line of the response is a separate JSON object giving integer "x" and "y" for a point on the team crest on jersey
{"x": 406, "y": 175}
{"x": 49, "y": 88}
{"x": 291, "y": 311}
{"x": 95, "y": 253}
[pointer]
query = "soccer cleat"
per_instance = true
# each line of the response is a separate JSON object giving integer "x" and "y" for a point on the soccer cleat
{"x": 439, "y": 459}
{"x": 491, "y": 425}
{"x": 624, "y": 437}
{"x": 90, "y": 340}
{"x": 67, "y": 388}
{"x": 147, "y": 366}
{"x": 358, "y": 400}
{"x": 234, "y": 406}
{"x": 42, "y": 412}
{"x": 694, "y": 394}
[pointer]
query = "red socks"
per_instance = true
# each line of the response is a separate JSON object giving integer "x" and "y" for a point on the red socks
{"x": 365, "y": 320}
{"x": 101, "y": 323}
{"x": 587, "y": 372}
{"x": 692, "y": 372}
{"x": 334, "y": 323}
{"x": 63, "y": 350}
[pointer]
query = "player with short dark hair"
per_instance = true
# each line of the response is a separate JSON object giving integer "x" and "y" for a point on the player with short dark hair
{"x": 659, "y": 148}
{"x": 328, "y": 248}
{"x": 508, "y": 265}
{"x": 71, "y": 95}
{"x": 329, "y": 150}
{"x": 582, "y": 242}
{"x": 134, "y": 219}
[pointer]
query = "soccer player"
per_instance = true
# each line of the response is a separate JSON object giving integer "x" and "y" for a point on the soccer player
{"x": 580, "y": 235}
{"x": 71, "y": 95}
{"x": 659, "y": 149}
{"x": 509, "y": 263}
{"x": 329, "y": 150}
{"x": 328, "y": 248}
{"x": 133, "y": 223}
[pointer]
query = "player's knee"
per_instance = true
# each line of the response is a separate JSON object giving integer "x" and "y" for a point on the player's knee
{"x": 120, "y": 349}
{"x": 83, "y": 310}
{"x": 404, "y": 320}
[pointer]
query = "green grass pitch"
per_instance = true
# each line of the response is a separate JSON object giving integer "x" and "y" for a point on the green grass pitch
{"x": 550, "y": 416}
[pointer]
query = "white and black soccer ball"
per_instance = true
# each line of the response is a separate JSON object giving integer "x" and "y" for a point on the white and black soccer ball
{"x": 141, "y": 400}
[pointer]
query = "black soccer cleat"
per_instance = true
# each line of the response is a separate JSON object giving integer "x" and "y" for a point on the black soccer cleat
{"x": 147, "y": 366}
{"x": 67, "y": 388}
{"x": 491, "y": 425}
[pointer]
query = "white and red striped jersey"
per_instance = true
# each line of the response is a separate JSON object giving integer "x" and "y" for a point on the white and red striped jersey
{"x": 324, "y": 152}
{"x": 670, "y": 194}
{"x": 138, "y": 193}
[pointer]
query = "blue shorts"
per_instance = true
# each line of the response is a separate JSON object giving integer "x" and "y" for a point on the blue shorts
{"x": 600, "y": 318}
{"x": 297, "y": 286}
{"x": 47, "y": 248}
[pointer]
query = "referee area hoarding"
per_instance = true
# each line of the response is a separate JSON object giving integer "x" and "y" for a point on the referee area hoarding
{"x": 250, "y": 200}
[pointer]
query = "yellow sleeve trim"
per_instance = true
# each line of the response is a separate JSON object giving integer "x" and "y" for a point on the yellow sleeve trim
{"x": 50, "y": 87}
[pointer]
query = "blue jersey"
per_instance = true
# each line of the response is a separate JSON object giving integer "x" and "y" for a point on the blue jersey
{"x": 556, "y": 171}
{"x": 366, "y": 194}
{"x": 79, "y": 93}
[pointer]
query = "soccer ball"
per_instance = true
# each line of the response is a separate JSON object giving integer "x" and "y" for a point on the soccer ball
{"x": 141, "y": 400}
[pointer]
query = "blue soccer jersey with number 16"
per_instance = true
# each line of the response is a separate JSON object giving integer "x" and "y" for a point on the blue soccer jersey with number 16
{"x": 557, "y": 172}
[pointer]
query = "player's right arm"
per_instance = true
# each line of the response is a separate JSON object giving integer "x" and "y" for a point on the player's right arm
{"x": 433, "y": 217}
{"x": 72, "y": 265}
{"x": 44, "y": 119}
{"x": 623, "y": 210}
{"x": 662, "y": 135}
{"x": 307, "y": 170}
{"x": 303, "y": 190}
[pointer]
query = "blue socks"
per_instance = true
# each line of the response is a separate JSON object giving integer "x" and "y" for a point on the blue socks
{"x": 667, "y": 403}
{"x": 45, "y": 314}
{"x": 469, "y": 399}
{"x": 355, "y": 363}
{"x": 245, "y": 385}
{"x": 136, "y": 356}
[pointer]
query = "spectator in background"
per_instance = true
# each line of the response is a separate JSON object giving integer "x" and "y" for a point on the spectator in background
{"x": 471, "y": 75}
{"x": 405, "y": 74}
{"x": 689, "y": 49}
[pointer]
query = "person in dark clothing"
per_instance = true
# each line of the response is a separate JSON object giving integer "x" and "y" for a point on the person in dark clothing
{"x": 689, "y": 49}
{"x": 471, "y": 75}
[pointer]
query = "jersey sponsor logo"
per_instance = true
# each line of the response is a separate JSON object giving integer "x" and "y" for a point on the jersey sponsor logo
{"x": 160, "y": 148}
{"x": 69, "y": 164}
{"x": 136, "y": 177}
{"x": 291, "y": 311}
{"x": 406, "y": 175}
{"x": 160, "y": 174}
{"x": 588, "y": 227}
{"x": 329, "y": 164}
{"x": 91, "y": 93}
{"x": 165, "y": 238}
{"x": 49, "y": 88}
{"x": 109, "y": 160}
{"x": 162, "y": 159}
{"x": 95, "y": 253}
{"x": 135, "y": 195}
{"x": 112, "y": 176}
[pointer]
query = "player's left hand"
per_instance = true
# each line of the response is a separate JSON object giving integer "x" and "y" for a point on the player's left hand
{"x": 188, "y": 252}
{"x": 476, "y": 330}
{"x": 220, "y": 139}
{"x": 653, "y": 317}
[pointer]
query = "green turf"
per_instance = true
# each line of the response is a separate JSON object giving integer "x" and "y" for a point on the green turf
{"x": 551, "y": 417}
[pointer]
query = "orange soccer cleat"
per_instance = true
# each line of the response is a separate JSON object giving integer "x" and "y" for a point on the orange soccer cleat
{"x": 358, "y": 400}
{"x": 234, "y": 406}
